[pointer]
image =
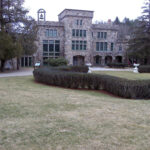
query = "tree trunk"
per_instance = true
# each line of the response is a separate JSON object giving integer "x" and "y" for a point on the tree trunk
{"x": 2, "y": 65}
{"x": 18, "y": 63}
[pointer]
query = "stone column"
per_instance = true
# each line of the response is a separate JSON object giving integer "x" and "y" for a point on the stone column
{"x": 113, "y": 59}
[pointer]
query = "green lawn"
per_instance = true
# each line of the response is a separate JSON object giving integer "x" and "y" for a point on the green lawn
{"x": 126, "y": 74}
{"x": 40, "y": 117}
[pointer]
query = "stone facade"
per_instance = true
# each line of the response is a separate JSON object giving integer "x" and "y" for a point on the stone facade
{"x": 80, "y": 41}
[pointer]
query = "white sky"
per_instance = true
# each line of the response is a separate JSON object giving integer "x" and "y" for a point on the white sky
{"x": 103, "y": 9}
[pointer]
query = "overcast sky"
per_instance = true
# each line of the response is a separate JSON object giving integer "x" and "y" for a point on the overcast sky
{"x": 103, "y": 9}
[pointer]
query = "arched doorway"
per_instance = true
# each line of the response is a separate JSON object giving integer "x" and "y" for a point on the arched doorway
{"x": 78, "y": 60}
{"x": 97, "y": 60}
{"x": 108, "y": 59}
{"x": 119, "y": 59}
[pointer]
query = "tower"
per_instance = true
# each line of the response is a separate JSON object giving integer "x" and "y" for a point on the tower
{"x": 41, "y": 14}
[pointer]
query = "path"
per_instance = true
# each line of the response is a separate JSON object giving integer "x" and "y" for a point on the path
{"x": 21, "y": 72}
{"x": 29, "y": 71}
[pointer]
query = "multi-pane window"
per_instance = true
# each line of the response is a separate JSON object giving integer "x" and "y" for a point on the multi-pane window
{"x": 79, "y": 22}
{"x": 51, "y": 49}
{"x": 51, "y": 33}
{"x": 78, "y": 33}
{"x": 101, "y": 46}
{"x": 102, "y": 35}
{"x": 79, "y": 45}
{"x": 112, "y": 47}
{"x": 26, "y": 61}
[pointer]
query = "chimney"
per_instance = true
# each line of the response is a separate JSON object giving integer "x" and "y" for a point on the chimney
{"x": 109, "y": 22}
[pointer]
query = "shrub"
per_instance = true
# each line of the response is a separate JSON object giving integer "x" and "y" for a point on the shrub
{"x": 117, "y": 65}
{"x": 57, "y": 62}
{"x": 115, "y": 85}
{"x": 83, "y": 69}
{"x": 144, "y": 69}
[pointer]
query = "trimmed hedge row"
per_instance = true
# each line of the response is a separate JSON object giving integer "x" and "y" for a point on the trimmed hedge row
{"x": 144, "y": 69}
{"x": 83, "y": 69}
{"x": 117, "y": 86}
{"x": 117, "y": 65}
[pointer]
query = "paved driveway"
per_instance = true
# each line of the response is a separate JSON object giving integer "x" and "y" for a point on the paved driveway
{"x": 21, "y": 72}
{"x": 109, "y": 69}
{"x": 29, "y": 71}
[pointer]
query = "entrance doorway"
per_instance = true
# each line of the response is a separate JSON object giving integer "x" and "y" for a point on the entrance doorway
{"x": 78, "y": 60}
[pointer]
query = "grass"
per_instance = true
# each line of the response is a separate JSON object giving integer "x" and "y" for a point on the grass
{"x": 126, "y": 74}
{"x": 40, "y": 117}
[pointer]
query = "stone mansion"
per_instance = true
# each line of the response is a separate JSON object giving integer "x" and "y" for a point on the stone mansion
{"x": 77, "y": 39}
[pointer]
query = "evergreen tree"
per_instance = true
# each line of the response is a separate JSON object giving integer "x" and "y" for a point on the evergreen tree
{"x": 8, "y": 48}
{"x": 117, "y": 21}
{"x": 15, "y": 22}
{"x": 139, "y": 44}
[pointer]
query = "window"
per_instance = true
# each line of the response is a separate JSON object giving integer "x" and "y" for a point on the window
{"x": 101, "y": 46}
{"x": 26, "y": 61}
{"x": 45, "y": 46}
{"x": 51, "y": 46}
{"x": 47, "y": 33}
{"x": 73, "y": 45}
{"x": 78, "y": 33}
{"x": 102, "y": 35}
{"x": 97, "y": 46}
{"x": 51, "y": 49}
{"x": 105, "y": 35}
{"x": 98, "y": 35}
{"x": 73, "y": 32}
{"x": 84, "y": 33}
{"x": 84, "y": 45}
{"x": 77, "y": 22}
{"x": 51, "y": 33}
{"x": 79, "y": 45}
{"x": 54, "y": 33}
{"x": 57, "y": 46}
{"x": 105, "y": 46}
{"x": 112, "y": 47}
{"x": 80, "y": 22}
